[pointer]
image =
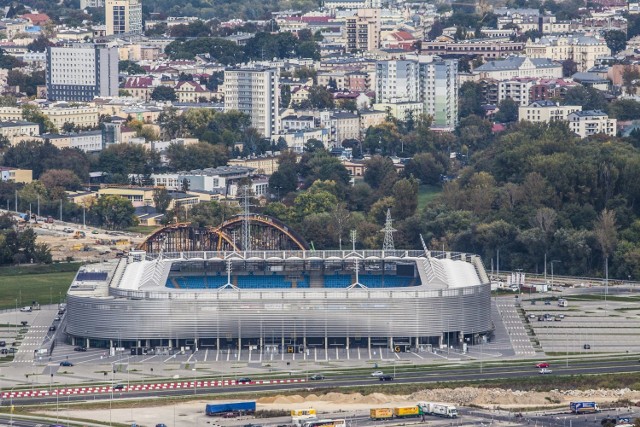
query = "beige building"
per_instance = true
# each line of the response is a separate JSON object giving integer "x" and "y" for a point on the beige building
{"x": 19, "y": 129}
{"x": 82, "y": 116}
{"x": 546, "y": 111}
{"x": 346, "y": 125}
{"x": 262, "y": 165}
{"x": 400, "y": 110}
{"x": 23, "y": 176}
{"x": 123, "y": 17}
{"x": 371, "y": 118}
{"x": 192, "y": 92}
{"x": 362, "y": 30}
{"x": 592, "y": 122}
{"x": 139, "y": 196}
{"x": 10, "y": 114}
{"x": 584, "y": 50}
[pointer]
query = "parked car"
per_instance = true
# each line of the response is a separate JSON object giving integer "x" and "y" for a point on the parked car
{"x": 587, "y": 347}
{"x": 3, "y": 343}
{"x": 66, "y": 363}
{"x": 26, "y": 309}
{"x": 4, "y": 351}
{"x": 80, "y": 349}
{"x": 56, "y": 319}
{"x": 542, "y": 365}
{"x": 377, "y": 374}
{"x": 547, "y": 302}
{"x": 52, "y": 328}
{"x": 316, "y": 377}
{"x": 385, "y": 377}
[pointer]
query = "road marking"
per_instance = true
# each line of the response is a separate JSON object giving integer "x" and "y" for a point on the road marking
{"x": 417, "y": 355}
{"x": 228, "y": 354}
{"x": 206, "y": 354}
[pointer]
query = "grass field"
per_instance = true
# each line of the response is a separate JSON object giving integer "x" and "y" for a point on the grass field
{"x": 45, "y": 284}
{"x": 427, "y": 193}
{"x": 142, "y": 229}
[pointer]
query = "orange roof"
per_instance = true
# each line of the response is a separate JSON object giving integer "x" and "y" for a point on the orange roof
{"x": 36, "y": 18}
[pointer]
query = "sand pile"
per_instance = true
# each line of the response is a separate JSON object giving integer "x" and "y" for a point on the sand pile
{"x": 463, "y": 396}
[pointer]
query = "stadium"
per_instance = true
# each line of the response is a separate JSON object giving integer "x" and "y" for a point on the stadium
{"x": 198, "y": 288}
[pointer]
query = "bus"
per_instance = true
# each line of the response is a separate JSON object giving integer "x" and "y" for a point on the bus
{"x": 325, "y": 423}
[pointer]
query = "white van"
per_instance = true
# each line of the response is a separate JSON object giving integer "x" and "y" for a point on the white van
{"x": 26, "y": 309}
{"x": 563, "y": 302}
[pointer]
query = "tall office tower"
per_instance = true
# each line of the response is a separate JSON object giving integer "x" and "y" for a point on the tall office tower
{"x": 439, "y": 91}
{"x": 363, "y": 30}
{"x": 254, "y": 91}
{"x": 123, "y": 17}
{"x": 397, "y": 81}
{"x": 81, "y": 72}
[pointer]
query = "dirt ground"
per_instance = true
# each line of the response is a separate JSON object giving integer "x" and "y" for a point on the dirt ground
{"x": 93, "y": 246}
{"x": 192, "y": 413}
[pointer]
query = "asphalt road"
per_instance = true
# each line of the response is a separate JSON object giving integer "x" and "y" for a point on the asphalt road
{"x": 438, "y": 375}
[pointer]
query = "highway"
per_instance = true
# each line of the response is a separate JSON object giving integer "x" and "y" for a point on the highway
{"x": 477, "y": 372}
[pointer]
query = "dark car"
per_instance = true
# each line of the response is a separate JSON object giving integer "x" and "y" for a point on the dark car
{"x": 80, "y": 349}
{"x": 118, "y": 387}
{"x": 3, "y": 343}
{"x": 243, "y": 380}
{"x": 4, "y": 351}
{"x": 66, "y": 363}
{"x": 316, "y": 377}
{"x": 385, "y": 377}
{"x": 161, "y": 425}
{"x": 52, "y": 328}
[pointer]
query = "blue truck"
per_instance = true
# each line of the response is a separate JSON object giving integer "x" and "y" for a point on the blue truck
{"x": 584, "y": 407}
{"x": 230, "y": 409}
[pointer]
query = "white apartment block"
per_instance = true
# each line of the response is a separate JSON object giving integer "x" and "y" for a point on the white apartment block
{"x": 351, "y": 4}
{"x": 81, "y": 72}
{"x": 210, "y": 180}
{"x": 254, "y": 91}
{"x": 397, "y": 81}
{"x": 587, "y": 123}
{"x": 518, "y": 66}
{"x": 517, "y": 89}
{"x": 89, "y": 142}
{"x": 584, "y": 50}
{"x": 439, "y": 92}
{"x": 433, "y": 83}
{"x": 123, "y": 17}
{"x": 546, "y": 111}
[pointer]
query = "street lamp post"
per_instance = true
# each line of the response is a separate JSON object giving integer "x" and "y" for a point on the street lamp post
{"x": 552, "y": 262}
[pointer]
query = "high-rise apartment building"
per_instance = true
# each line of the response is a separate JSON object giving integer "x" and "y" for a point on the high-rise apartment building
{"x": 430, "y": 81}
{"x": 363, "y": 30}
{"x": 439, "y": 91}
{"x": 81, "y": 72}
{"x": 123, "y": 17}
{"x": 254, "y": 91}
{"x": 397, "y": 81}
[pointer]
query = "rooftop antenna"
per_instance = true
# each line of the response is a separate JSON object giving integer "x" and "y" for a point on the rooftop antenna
{"x": 388, "y": 231}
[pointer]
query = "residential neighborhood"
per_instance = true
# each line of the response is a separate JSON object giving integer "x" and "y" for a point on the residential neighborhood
{"x": 118, "y": 100}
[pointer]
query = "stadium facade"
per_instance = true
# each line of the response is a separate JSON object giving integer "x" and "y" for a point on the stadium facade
{"x": 281, "y": 300}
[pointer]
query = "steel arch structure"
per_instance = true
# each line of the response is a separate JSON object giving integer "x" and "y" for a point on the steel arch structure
{"x": 267, "y": 233}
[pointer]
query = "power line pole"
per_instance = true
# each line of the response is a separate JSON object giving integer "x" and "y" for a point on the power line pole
{"x": 388, "y": 231}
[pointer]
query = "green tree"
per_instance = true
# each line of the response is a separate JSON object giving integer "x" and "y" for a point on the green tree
{"x": 114, "y": 212}
{"x": 163, "y": 93}
{"x": 39, "y": 45}
{"x": 31, "y": 113}
{"x": 569, "y": 67}
{"x": 196, "y": 156}
{"x": 313, "y": 202}
{"x": 616, "y": 40}
{"x": 211, "y": 213}
{"x": 405, "y": 193}
{"x": 624, "y": 109}
{"x": 630, "y": 76}
{"x": 470, "y": 99}
{"x": 507, "y": 111}
{"x": 320, "y": 97}
{"x": 380, "y": 174}
{"x": 161, "y": 199}
{"x": 588, "y": 97}
{"x": 425, "y": 167}
{"x": 130, "y": 67}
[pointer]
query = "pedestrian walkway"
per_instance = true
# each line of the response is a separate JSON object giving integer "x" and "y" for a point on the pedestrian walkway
{"x": 513, "y": 323}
